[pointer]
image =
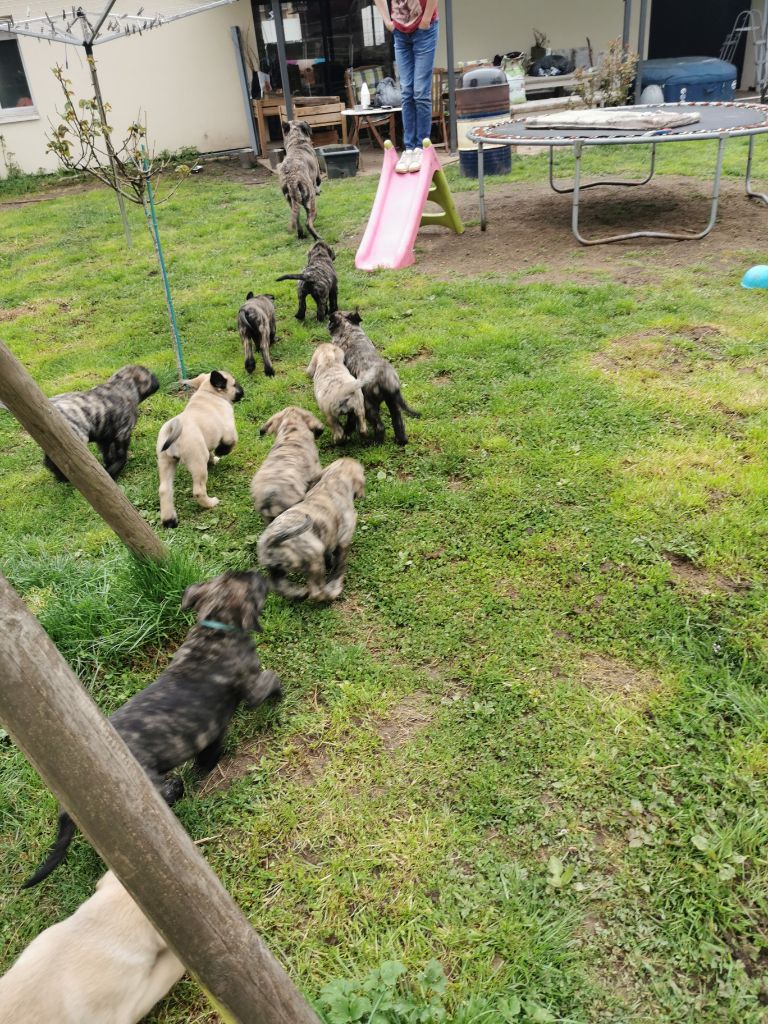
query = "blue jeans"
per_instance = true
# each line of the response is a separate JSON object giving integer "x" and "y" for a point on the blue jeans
{"x": 415, "y": 56}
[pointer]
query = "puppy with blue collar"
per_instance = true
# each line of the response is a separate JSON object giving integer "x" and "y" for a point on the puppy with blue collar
{"x": 186, "y": 712}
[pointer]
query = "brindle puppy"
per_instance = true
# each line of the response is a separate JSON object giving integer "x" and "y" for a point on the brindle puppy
{"x": 313, "y": 538}
{"x": 377, "y": 375}
{"x": 107, "y": 414}
{"x": 292, "y": 465}
{"x": 299, "y": 176}
{"x": 185, "y": 713}
{"x": 337, "y": 392}
{"x": 317, "y": 279}
{"x": 256, "y": 324}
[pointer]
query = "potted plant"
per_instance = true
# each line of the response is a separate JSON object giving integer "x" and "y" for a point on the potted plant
{"x": 541, "y": 45}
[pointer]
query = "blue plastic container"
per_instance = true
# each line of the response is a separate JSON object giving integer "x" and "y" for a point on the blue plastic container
{"x": 690, "y": 79}
{"x": 496, "y": 160}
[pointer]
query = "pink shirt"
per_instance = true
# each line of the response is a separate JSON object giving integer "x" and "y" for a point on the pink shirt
{"x": 406, "y": 14}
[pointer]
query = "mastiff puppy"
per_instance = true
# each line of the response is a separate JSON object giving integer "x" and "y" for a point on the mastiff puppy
{"x": 337, "y": 392}
{"x": 256, "y": 324}
{"x": 198, "y": 436}
{"x": 299, "y": 176}
{"x": 292, "y": 465}
{"x": 185, "y": 713}
{"x": 105, "y": 964}
{"x": 378, "y": 376}
{"x": 312, "y": 539}
{"x": 318, "y": 279}
{"x": 107, "y": 414}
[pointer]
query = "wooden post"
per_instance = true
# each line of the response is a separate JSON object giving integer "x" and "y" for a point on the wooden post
{"x": 22, "y": 396}
{"x": 89, "y": 768}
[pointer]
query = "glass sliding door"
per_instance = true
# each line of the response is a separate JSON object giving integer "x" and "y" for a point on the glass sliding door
{"x": 322, "y": 39}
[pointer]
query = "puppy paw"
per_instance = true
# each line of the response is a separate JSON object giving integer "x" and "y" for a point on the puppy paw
{"x": 171, "y": 524}
{"x": 269, "y": 371}
{"x": 206, "y": 501}
{"x": 214, "y": 459}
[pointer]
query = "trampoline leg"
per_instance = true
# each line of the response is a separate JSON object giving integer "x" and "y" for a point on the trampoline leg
{"x": 481, "y": 185}
{"x": 677, "y": 235}
{"x": 594, "y": 184}
{"x": 748, "y": 177}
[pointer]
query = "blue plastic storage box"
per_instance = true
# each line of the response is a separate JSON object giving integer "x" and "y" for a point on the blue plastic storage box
{"x": 690, "y": 79}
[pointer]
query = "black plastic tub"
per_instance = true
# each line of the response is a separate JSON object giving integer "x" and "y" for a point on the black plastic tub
{"x": 339, "y": 161}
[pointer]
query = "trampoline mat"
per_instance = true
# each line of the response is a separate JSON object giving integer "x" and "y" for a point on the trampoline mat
{"x": 714, "y": 119}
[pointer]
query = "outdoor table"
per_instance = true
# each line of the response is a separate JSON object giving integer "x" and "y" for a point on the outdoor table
{"x": 368, "y": 114}
{"x": 718, "y": 122}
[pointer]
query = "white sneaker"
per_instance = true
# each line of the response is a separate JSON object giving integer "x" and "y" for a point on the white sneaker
{"x": 403, "y": 165}
{"x": 415, "y": 164}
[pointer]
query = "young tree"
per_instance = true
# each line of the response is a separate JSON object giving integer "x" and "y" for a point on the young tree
{"x": 82, "y": 141}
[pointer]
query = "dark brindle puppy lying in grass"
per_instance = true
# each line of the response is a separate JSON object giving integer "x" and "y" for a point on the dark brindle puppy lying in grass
{"x": 185, "y": 713}
{"x": 377, "y": 376}
{"x": 107, "y": 414}
{"x": 318, "y": 279}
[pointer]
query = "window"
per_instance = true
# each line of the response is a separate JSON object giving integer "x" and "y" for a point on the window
{"x": 373, "y": 26}
{"x": 15, "y": 95}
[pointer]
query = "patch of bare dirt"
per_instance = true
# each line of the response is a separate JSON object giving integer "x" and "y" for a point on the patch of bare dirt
{"x": 304, "y": 763}
{"x": 529, "y": 229}
{"x": 421, "y": 356}
{"x": 613, "y": 677}
{"x": 689, "y": 575}
{"x": 11, "y": 314}
{"x": 45, "y": 195}
{"x": 408, "y": 718}
{"x": 658, "y": 351}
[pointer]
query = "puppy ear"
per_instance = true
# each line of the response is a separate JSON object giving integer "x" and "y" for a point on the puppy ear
{"x": 192, "y": 596}
{"x": 259, "y": 590}
{"x": 270, "y": 426}
{"x": 355, "y": 318}
{"x": 249, "y": 296}
{"x": 218, "y": 380}
{"x": 313, "y": 423}
{"x": 312, "y": 366}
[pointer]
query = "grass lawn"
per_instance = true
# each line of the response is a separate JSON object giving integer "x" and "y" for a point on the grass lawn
{"x": 530, "y": 742}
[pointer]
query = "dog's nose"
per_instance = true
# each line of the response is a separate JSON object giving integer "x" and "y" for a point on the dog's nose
{"x": 238, "y": 392}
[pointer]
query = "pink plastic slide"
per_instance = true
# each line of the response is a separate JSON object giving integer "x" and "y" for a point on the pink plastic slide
{"x": 396, "y": 215}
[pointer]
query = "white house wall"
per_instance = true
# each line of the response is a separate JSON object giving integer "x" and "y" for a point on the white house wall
{"x": 182, "y": 75}
{"x": 482, "y": 28}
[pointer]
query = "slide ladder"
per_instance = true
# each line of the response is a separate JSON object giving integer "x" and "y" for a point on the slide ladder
{"x": 398, "y": 211}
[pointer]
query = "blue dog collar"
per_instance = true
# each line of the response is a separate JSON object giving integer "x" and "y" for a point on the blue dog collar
{"x": 223, "y": 626}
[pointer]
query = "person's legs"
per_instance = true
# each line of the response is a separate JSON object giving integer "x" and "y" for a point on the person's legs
{"x": 404, "y": 55}
{"x": 424, "y": 47}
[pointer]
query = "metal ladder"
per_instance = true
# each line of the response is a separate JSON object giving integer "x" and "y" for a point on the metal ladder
{"x": 750, "y": 22}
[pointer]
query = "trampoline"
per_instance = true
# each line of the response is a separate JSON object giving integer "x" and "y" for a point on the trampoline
{"x": 717, "y": 122}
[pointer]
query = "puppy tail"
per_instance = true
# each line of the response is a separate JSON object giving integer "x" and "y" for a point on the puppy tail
{"x": 64, "y": 836}
{"x": 406, "y": 408}
{"x": 292, "y": 531}
{"x": 291, "y": 277}
{"x": 174, "y": 433}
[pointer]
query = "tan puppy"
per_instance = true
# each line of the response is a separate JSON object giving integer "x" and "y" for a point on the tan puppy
{"x": 313, "y": 538}
{"x": 337, "y": 392}
{"x": 292, "y": 465}
{"x": 196, "y": 437}
{"x": 105, "y": 964}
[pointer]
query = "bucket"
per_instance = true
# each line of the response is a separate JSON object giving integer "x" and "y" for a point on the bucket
{"x": 496, "y": 160}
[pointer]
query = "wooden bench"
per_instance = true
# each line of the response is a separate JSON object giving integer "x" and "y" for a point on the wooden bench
{"x": 319, "y": 112}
